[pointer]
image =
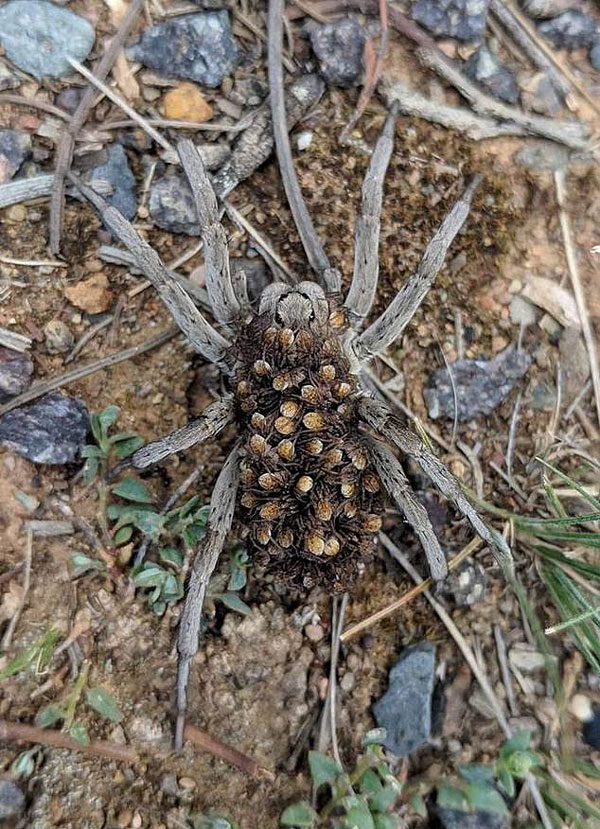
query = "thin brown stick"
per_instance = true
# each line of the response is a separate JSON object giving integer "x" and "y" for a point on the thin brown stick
{"x": 505, "y": 671}
{"x": 46, "y": 736}
{"x": 64, "y": 153}
{"x": 225, "y": 752}
{"x": 21, "y": 100}
{"x": 376, "y": 617}
{"x": 586, "y": 327}
{"x": 7, "y": 638}
{"x": 45, "y": 386}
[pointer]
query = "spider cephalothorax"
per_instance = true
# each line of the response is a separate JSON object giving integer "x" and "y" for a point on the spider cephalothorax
{"x": 314, "y": 452}
{"x": 310, "y": 495}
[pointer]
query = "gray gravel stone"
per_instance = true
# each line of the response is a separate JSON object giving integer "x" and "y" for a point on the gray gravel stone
{"x": 39, "y": 37}
{"x": 570, "y": 30}
{"x": 171, "y": 205}
{"x": 12, "y": 799}
{"x": 481, "y": 385}
{"x": 485, "y": 68}
{"x": 547, "y": 8}
{"x": 339, "y": 47}
{"x": 16, "y": 369}
{"x": 405, "y": 708}
{"x": 463, "y": 19}
{"x": 51, "y": 431}
{"x": 15, "y": 147}
{"x": 200, "y": 47}
{"x": 116, "y": 171}
{"x": 539, "y": 94}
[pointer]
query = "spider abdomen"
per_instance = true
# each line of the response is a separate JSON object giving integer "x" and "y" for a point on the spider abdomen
{"x": 309, "y": 496}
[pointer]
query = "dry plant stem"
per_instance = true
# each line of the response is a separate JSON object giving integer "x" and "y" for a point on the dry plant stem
{"x": 272, "y": 258}
{"x": 168, "y": 123}
{"x": 202, "y": 336}
{"x": 46, "y": 386}
{"x": 34, "y": 263}
{"x": 212, "y": 420}
{"x": 8, "y": 635}
{"x": 222, "y": 506}
{"x": 376, "y": 617}
{"x": 225, "y": 752}
{"x": 523, "y": 38}
{"x": 469, "y": 656}
{"x": 120, "y": 102}
{"x": 315, "y": 254}
{"x": 49, "y": 737}
{"x": 388, "y": 327}
{"x": 398, "y": 488}
{"x": 570, "y": 253}
{"x": 505, "y": 671}
{"x": 366, "y": 238}
{"x": 571, "y": 133}
{"x": 224, "y": 303}
{"x": 64, "y": 153}
{"x": 21, "y": 100}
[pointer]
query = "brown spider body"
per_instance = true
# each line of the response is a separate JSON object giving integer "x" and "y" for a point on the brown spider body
{"x": 309, "y": 495}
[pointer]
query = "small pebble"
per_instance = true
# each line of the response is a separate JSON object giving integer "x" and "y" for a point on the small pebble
{"x": 59, "y": 338}
{"x": 547, "y": 8}
{"x": 314, "y": 632}
{"x": 339, "y": 46}
{"x": 304, "y": 140}
{"x": 124, "y": 818}
{"x": 116, "y": 172}
{"x": 462, "y": 19}
{"x": 187, "y": 783}
{"x": 169, "y": 785}
{"x": 570, "y": 30}
{"x": 12, "y": 799}
{"x": 485, "y": 68}
{"x": 15, "y": 147}
{"x": 526, "y": 661}
{"x": 347, "y": 682}
{"x": 91, "y": 295}
{"x": 16, "y": 369}
{"x": 595, "y": 57}
{"x": 15, "y": 214}
{"x": 186, "y": 103}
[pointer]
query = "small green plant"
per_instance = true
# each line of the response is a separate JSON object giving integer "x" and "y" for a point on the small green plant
{"x": 212, "y": 820}
{"x": 96, "y": 699}
{"x": 37, "y": 656}
{"x": 99, "y": 454}
{"x": 362, "y": 799}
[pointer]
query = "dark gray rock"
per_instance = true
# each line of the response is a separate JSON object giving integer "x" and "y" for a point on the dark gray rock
{"x": 70, "y": 98}
{"x": 405, "y": 708}
{"x": 457, "y": 819}
{"x": 539, "y": 94}
{"x": 570, "y": 30}
{"x": 481, "y": 385}
{"x": 39, "y": 37}
{"x": 116, "y": 172}
{"x": 595, "y": 57}
{"x": 463, "y": 19}
{"x": 15, "y": 373}
{"x": 51, "y": 431}
{"x": 485, "y": 68}
{"x": 542, "y": 397}
{"x": 15, "y": 147}
{"x": 339, "y": 47}
{"x": 12, "y": 799}
{"x": 171, "y": 205}
{"x": 547, "y": 8}
{"x": 199, "y": 47}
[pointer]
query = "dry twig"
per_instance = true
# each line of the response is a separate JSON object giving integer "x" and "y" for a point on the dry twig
{"x": 8, "y": 635}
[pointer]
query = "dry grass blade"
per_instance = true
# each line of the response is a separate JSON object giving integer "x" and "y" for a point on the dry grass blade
{"x": 8, "y": 635}
{"x": 588, "y": 334}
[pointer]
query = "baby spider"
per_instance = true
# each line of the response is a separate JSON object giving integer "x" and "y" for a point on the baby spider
{"x": 313, "y": 458}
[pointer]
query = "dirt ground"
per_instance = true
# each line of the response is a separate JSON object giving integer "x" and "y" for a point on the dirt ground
{"x": 259, "y": 680}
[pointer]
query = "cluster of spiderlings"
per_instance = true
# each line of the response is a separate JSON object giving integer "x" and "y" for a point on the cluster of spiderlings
{"x": 309, "y": 496}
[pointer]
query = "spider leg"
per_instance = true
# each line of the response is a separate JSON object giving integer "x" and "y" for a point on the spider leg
{"x": 222, "y": 506}
{"x": 203, "y": 337}
{"x": 330, "y": 277}
{"x": 383, "y": 421}
{"x": 399, "y": 489}
{"x": 378, "y": 336}
{"x": 216, "y": 256}
{"x": 214, "y": 418}
{"x": 366, "y": 241}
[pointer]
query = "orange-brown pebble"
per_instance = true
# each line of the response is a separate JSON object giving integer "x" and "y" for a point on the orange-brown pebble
{"x": 347, "y": 489}
{"x": 263, "y": 534}
{"x": 285, "y": 538}
{"x": 315, "y": 544}
{"x": 258, "y": 445}
{"x": 314, "y": 421}
{"x": 341, "y": 390}
{"x": 284, "y": 425}
{"x": 370, "y": 483}
{"x": 332, "y": 546}
{"x": 372, "y": 523}
{"x": 304, "y": 483}
{"x": 337, "y": 319}
{"x": 285, "y": 449}
{"x": 258, "y": 420}
{"x": 289, "y": 408}
{"x": 286, "y": 337}
{"x": 309, "y": 393}
{"x": 324, "y": 510}
{"x": 248, "y": 500}
{"x": 269, "y": 481}
{"x": 314, "y": 446}
{"x": 327, "y": 373}
{"x": 271, "y": 510}
{"x": 261, "y": 368}
{"x": 281, "y": 382}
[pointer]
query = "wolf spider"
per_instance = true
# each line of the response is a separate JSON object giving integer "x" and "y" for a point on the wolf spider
{"x": 313, "y": 451}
